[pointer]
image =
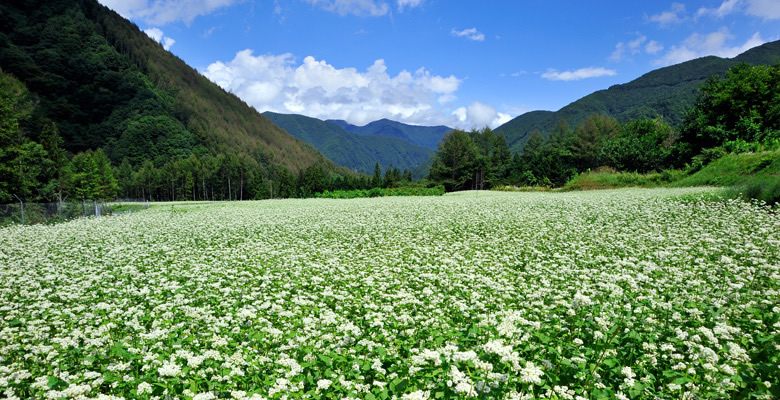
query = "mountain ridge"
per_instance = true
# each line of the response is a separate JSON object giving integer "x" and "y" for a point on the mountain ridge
{"x": 427, "y": 136}
{"x": 355, "y": 151}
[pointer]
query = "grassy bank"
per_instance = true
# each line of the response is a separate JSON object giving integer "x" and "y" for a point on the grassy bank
{"x": 747, "y": 175}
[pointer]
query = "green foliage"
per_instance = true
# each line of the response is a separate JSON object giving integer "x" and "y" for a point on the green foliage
{"x": 641, "y": 146}
{"x": 745, "y": 105}
{"x": 90, "y": 176}
{"x": 23, "y": 162}
{"x": 453, "y": 164}
{"x": 608, "y": 178}
{"x": 731, "y": 169}
{"x": 590, "y": 137}
{"x": 761, "y": 188}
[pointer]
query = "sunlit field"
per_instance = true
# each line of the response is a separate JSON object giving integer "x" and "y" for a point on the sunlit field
{"x": 636, "y": 294}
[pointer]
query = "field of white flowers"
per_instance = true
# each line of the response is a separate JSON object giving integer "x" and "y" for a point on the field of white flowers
{"x": 612, "y": 294}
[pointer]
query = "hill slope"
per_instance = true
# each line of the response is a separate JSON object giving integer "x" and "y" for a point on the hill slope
{"x": 356, "y": 152}
{"x": 666, "y": 92}
{"x": 107, "y": 84}
{"x": 428, "y": 136}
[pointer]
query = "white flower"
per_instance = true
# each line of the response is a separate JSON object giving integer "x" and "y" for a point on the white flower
{"x": 418, "y": 395}
{"x": 144, "y": 388}
{"x": 169, "y": 369}
{"x": 531, "y": 374}
{"x": 323, "y": 384}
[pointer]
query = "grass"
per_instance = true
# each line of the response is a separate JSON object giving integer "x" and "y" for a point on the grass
{"x": 746, "y": 175}
{"x": 734, "y": 169}
{"x": 607, "y": 178}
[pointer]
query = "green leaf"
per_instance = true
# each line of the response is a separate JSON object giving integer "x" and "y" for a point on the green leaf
{"x": 119, "y": 351}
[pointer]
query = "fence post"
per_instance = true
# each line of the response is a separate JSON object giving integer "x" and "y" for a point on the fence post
{"x": 21, "y": 203}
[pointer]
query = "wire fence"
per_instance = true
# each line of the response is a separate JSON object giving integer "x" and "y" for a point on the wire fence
{"x": 49, "y": 213}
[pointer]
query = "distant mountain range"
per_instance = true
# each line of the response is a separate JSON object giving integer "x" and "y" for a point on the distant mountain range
{"x": 361, "y": 151}
{"x": 666, "y": 93}
{"x": 428, "y": 136}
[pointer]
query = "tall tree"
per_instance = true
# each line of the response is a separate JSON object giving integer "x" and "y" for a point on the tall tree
{"x": 454, "y": 162}
{"x": 744, "y": 105}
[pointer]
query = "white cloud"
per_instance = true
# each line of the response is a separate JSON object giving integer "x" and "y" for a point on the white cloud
{"x": 161, "y": 12}
{"x": 158, "y": 35}
{"x": 518, "y": 73}
{"x": 713, "y": 44}
{"x": 317, "y": 89}
{"x": 674, "y": 16}
{"x": 653, "y": 47}
{"x": 408, "y": 3}
{"x": 726, "y": 8}
{"x": 471, "y": 34}
{"x": 632, "y": 47}
{"x": 765, "y": 9}
{"x": 582, "y": 73}
{"x": 361, "y": 8}
{"x": 478, "y": 115}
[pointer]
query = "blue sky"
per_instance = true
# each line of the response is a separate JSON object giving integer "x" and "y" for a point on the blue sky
{"x": 463, "y": 64}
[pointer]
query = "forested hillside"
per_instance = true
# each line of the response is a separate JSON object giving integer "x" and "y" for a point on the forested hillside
{"x": 664, "y": 93}
{"x": 89, "y": 79}
{"x": 428, "y": 136}
{"x": 357, "y": 152}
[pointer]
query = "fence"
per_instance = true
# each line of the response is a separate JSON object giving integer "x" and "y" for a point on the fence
{"x": 47, "y": 213}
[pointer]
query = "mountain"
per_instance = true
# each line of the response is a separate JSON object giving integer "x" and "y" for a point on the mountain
{"x": 105, "y": 84}
{"x": 428, "y": 136}
{"x": 357, "y": 152}
{"x": 666, "y": 92}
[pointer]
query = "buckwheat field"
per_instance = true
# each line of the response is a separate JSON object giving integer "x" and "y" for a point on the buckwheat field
{"x": 630, "y": 294}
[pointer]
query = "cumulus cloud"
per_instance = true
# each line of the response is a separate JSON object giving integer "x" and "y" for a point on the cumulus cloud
{"x": 582, "y": 73}
{"x": 765, "y": 9}
{"x": 671, "y": 17}
{"x": 161, "y": 12}
{"x": 478, "y": 115}
{"x": 713, "y": 44}
{"x": 360, "y": 8}
{"x": 317, "y": 89}
{"x": 471, "y": 34}
{"x": 158, "y": 35}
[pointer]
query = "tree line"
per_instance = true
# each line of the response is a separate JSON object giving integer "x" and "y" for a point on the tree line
{"x": 739, "y": 112}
